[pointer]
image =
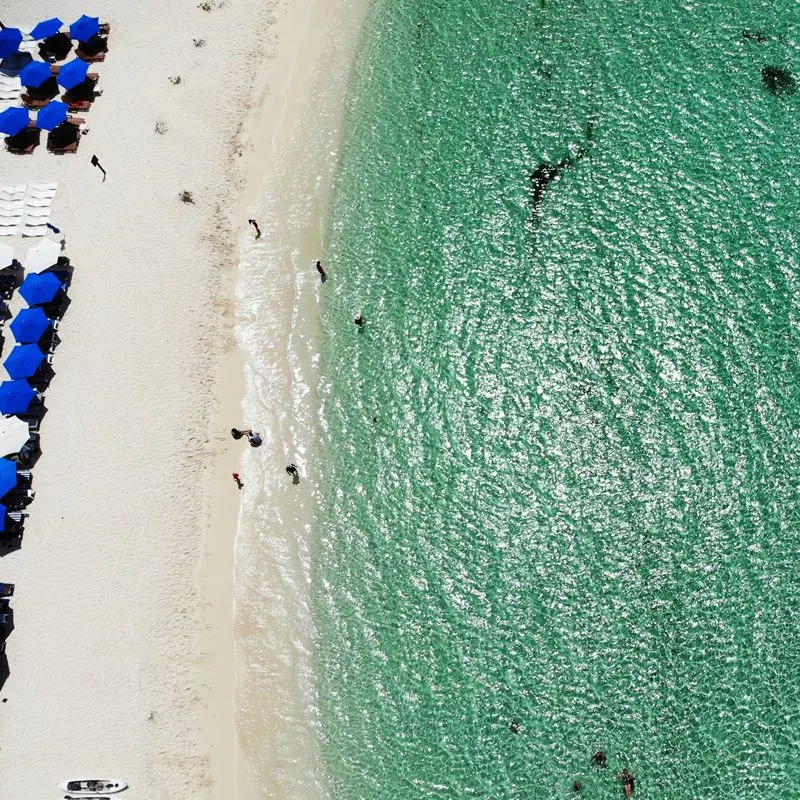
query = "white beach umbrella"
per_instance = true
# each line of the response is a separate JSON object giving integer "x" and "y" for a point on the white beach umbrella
{"x": 6, "y": 255}
{"x": 42, "y": 255}
{"x": 14, "y": 433}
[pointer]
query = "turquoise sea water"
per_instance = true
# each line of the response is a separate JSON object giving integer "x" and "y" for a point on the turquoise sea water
{"x": 561, "y": 462}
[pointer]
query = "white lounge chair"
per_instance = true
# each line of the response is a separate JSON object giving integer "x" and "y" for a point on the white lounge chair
{"x": 30, "y": 231}
{"x": 37, "y": 211}
{"x": 38, "y": 202}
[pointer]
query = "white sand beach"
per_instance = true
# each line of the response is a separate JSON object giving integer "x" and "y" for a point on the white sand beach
{"x": 122, "y": 654}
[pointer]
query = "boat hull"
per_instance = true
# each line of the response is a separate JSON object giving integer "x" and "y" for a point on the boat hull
{"x": 93, "y": 788}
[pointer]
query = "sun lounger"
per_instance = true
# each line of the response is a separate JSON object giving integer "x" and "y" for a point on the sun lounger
{"x": 32, "y": 203}
{"x": 70, "y": 148}
{"x": 37, "y": 211}
{"x": 31, "y": 231}
{"x": 32, "y": 102}
{"x": 92, "y": 59}
{"x": 77, "y": 105}
{"x": 21, "y": 151}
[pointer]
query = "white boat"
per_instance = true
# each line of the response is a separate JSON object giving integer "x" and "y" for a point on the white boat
{"x": 93, "y": 787}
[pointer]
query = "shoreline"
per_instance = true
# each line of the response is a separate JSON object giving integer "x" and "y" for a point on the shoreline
{"x": 296, "y": 139}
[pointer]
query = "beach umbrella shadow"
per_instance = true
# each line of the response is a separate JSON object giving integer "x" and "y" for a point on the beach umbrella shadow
{"x": 5, "y": 670}
{"x": 12, "y": 526}
{"x": 58, "y": 306}
{"x": 93, "y": 49}
{"x": 14, "y": 64}
{"x": 56, "y": 47}
{"x": 10, "y": 279}
{"x": 63, "y": 270}
{"x": 30, "y": 453}
{"x": 25, "y": 142}
{"x": 64, "y": 138}
{"x": 38, "y": 96}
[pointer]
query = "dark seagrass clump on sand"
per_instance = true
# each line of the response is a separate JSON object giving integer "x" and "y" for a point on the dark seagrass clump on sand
{"x": 778, "y": 81}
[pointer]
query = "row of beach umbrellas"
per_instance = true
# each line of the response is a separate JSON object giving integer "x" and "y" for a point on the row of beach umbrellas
{"x": 82, "y": 30}
{"x": 24, "y": 362}
{"x": 15, "y": 120}
{"x": 69, "y": 76}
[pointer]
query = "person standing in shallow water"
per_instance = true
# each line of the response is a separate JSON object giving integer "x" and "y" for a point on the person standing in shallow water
{"x": 599, "y": 759}
{"x": 627, "y": 782}
{"x": 323, "y": 276}
{"x": 360, "y": 321}
{"x": 253, "y": 437}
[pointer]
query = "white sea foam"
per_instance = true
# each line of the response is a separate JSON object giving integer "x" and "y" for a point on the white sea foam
{"x": 277, "y": 311}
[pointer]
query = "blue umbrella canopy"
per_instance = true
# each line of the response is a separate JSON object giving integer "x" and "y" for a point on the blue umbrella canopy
{"x": 13, "y": 120}
{"x": 15, "y": 396}
{"x": 73, "y": 73}
{"x": 46, "y": 28}
{"x": 24, "y": 361}
{"x": 3, "y": 512}
{"x": 84, "y": 28}
{"x": 29, "y": 325}
{"x": 10, "y": 39}
{"x": 8, "y": 478}
{"x": 52, "y": 115}
{"x": 35, "y": 74}
{"x": 40, "y": 288}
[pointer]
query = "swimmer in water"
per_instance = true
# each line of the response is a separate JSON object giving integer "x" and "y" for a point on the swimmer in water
{"x": 627, "y": 782}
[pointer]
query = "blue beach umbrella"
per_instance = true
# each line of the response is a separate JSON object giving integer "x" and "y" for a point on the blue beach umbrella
{"x": 52, "y": 115}
{"x": 8, "y": 478}
{"x": 35, "y": 74}
{"x": 15, "y": 396}
{"x": 73, "y": 73}
{"x": 13, "y": 120}
{"x": 24, "y": 361}
{"x": 84, "y": 28}
{"x": 10, "y": 39}
{"x": 40, "y": 288}
{"x": 3, "y": 512}
{"x": 29, "y": 325}
{"x": 46, "y": 28}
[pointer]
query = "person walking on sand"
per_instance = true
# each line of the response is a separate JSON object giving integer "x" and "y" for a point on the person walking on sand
{"x": 255, "y": 225}
{"x": 292, "y": 470}
{"x": 323, "y": 276}
{"x": 237, "y": 434}
{"x": 627, "y": 782}
{"x": 237, "y": 480}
